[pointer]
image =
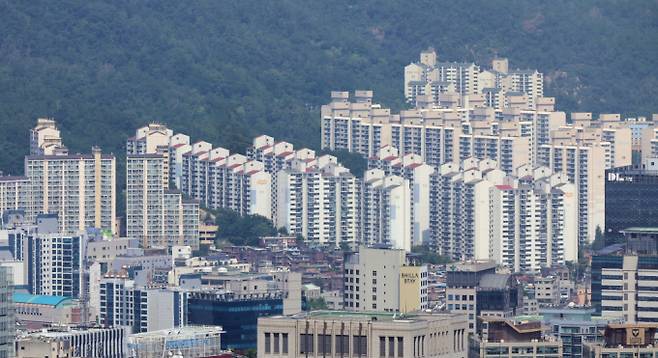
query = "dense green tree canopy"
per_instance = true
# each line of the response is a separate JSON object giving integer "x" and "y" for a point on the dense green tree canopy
{"x": 224, "y": 71}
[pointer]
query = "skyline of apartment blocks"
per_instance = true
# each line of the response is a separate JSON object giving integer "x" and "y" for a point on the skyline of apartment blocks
{"x": 510, "y": 136}
{"x": 432, "y": 78}
{"x": 80, "y": 189}
{"x": 524, "y": 222}
{"x": 155, "y": 215}
{"x": 384, "y": 280}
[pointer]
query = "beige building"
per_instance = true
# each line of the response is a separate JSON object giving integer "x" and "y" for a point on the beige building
{"x": 344, "y": 334}
{"x": 45, "y": 138}
{"x": 377, "y": 279}
{"x": 80, "y": 189}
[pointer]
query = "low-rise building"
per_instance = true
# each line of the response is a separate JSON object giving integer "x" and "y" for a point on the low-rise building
{"x": 191, "y": 341}
{"x": 372, "y": 334}
{"x": 73, "y": 342}
{"x": 625, "y": 340}
{"x": 501, "y": 337}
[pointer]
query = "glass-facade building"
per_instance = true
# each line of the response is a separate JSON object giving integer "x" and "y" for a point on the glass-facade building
{"x": 238, "y": 315}
{"x": 631, "y": 199}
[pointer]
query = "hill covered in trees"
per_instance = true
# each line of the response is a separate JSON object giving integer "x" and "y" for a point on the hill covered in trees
{"x": 224, "y": 71}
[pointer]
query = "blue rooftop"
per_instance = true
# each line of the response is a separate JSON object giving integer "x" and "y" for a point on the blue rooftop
{"x": 39, "y": 299}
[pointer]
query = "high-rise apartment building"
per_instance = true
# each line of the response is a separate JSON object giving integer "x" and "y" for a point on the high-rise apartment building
{"x": 432, "y": 78}
{"x": 45, "y": 138}
{"x": 319, "y": 200}
{"x": 583, "y": 167}
{"x": 386, "y": 210}
{"x": 155, "y": 215}
{"x": 14, "y": 193}
{"x": 80, "y": 189}
{"x": 377, "y": 279}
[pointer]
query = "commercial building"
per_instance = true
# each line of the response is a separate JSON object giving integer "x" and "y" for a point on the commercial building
{"x": 55, "y": 264}
{"x": 73, "y": 342}
{"x": 38, "y": 311}
{"x": 574, "y": 327}
{"x": 373, "y": 334}
{"x": 502, "y": 337}
{"x": 475, "y": 289}
{"x": 631, "y": 199}
{"x": 155, "y": 215}
{"x": 191, "y": 341}
{"x": 125, "y": 303}
{"x": 624, "y": 287}
{"x": 625, "y": 340}
{"x": 383, "y": 280}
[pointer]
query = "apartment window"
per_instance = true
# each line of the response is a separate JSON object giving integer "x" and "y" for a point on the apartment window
{"x": 400, "y": 347}
{"x": 268, "y": 342}
{"x": 305, "y": 343}
{"x": 382, "y": 346}
{"x": 276, "y": 343}
{"x": 324, "y": 343}
{"x": 391, "y": 346}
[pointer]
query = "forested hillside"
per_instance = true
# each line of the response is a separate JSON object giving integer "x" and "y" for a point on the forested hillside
{"x": 227, "y": 70}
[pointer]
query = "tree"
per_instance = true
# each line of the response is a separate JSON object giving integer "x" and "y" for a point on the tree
{"x": 428, "y": 256}
{"x": 242, "y": 230}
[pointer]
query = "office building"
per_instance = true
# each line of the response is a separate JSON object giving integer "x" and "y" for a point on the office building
{"x": 365, "y": 334}
{"x": 73, "y": 342}
{"x": 240, "y": 307}
{"x": 631, "y": 199}
{"x": 502, "y": 337}
{"x": 574, "y": 327}
{"x": 624, "y": 287}
{"x": 55, "y": 264}
{"x": 475, "y": 289}
{"x": 80, "y": 189}
{"x": 384, "y": 280}
{"x": 192, "y": 341}
{"x": 155, "y": 215}
{"x": 624, "y": 340}
{"x": 123, "y": 302}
